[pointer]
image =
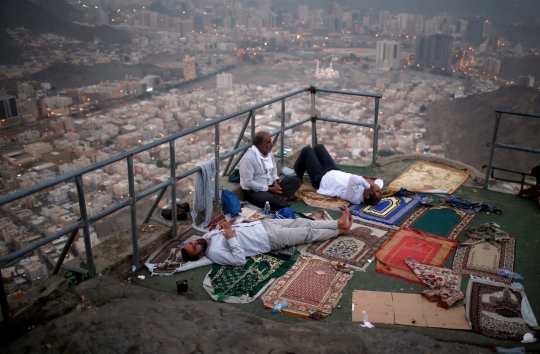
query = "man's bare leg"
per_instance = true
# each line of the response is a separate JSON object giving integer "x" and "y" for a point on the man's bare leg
{"x": 345, "y": 222}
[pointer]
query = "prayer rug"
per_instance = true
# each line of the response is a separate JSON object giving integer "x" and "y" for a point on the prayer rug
{"x": 484, "y": 259}
{"x": 308, "y": 194}
{"x": 444, "y": 283}
{"x": 167, "y": 258}
{"x": 430, "y": 177}
{"x": 497, "y": 310}
{"x": 358, "y": 247}
{"x": 389, "y": 211}
{"x": 422, "y": 246}
{"x": 313, "y": 287}
{"x": 439, "y": 220}
{"x": 244, "y": 284}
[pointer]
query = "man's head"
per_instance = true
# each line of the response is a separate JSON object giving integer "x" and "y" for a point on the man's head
{"x": 372, "y": 196}
{"x": 194, "y": 250}
{"x": 263, "y": 142}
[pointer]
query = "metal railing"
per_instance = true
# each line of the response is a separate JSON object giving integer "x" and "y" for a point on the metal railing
{"x": 85, "y": 220}
{"x": 494, "y": 144}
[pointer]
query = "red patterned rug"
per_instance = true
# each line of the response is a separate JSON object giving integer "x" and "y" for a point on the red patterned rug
{"x": 313, "y": 287}
{"x": 422, "y": 246}
{"x": 484, "y": 259}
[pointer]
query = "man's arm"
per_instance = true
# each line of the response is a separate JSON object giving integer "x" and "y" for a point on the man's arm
{"x": 247, "y": 170}
{"x": 355, "y": 189}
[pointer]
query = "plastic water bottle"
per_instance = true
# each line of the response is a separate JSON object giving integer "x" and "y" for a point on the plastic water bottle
{"x": 267, "y": 209}
{"x": 509, "y": 274}
{"x": 518, "y": 350}
{"x": 280, "y": 306}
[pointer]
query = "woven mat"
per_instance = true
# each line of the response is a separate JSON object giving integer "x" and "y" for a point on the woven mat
{"x": 308, "y": 194}
{"x": 423, "y": 247}
{"x": 313, "y": 287}
{"x": 425, "y": 176}
{"x": 391, "y": 210}
{"x": 357, "y": 248}
{"x": 484, "y": 259}
{"x": 439, "y": 220}
{"x": 495, "y": 310}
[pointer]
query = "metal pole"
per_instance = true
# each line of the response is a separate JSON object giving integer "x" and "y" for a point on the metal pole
{"x": 375, "y": 133}
{"x": 133, "y": 207}
{"x": 252, "y": 114}
{"x": 492, "y": 149}
{"x": 173, "y": 188}
{"x": 6, "y": 315}
{"x": 282, "y": 134}
{"x": 154, "y": 205}
{"x": 237, "y": 144}
{"x": 86, "y": 229}
{"x": 65, "y": 250}
{"x": 216, "y": 189}
{"x": 313, "y": 120}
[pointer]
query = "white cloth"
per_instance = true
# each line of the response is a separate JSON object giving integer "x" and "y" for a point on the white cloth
{"x": 202, "y": 198}
{"x": 251, "y": 239}
{"x": 347, "y": 186}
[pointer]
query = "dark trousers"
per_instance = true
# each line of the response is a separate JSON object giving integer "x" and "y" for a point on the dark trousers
{"x": 316, "y": 161}
{"x": 289, "y": 186}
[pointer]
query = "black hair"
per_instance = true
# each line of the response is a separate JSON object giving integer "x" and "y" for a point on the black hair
{"x": 369, "y": 200}
{"x": 187, "y": 257}
{"x": 259, "y": 138}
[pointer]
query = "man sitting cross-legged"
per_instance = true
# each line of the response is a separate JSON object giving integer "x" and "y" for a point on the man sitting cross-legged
{"x": 331, "y": 181}
{"x": 231, "y": 245}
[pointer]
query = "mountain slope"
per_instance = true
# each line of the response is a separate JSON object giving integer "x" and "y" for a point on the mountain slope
{"x": 464, "y": 126}
{"x": 60, "y": 8}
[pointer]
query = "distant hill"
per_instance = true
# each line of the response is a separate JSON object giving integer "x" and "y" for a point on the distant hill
{"x": 511, "y": 68}
{"x": 60, "y": 8}
{"x": 9, "y": 54}
{"x": 464, "y": 126}
{"x": 70, "y": 76}
{"x": 22, "y": 13}
{"x": 528, "y": 34}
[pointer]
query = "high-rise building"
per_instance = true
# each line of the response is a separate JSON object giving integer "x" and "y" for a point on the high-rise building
{"x": 475, "y": 31}
{"x": 388, "y": 55}
{"x": 434, "y": 51}
{"x": 303, "y": 13}
{"x": 188, "y": 64}
{"x": 10, "y": 121}
{"x": 492, "y": 66}
{"x": 224, "y": 81}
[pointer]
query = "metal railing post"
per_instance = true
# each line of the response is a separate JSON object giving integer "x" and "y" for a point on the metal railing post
{"x": 282, "y": 134}
{"x": 492, "y": 148}
{"x": 65, "y": 250}
{"x": 85, "y": 227}
{"x": 375, "y": 133}
{"x": 252, "y": 114}
{"x": 173, "y": 188}
{"x": 237, "y": 143}
{"x": 313, "y": 119}
{"x": 6, "y": 314}
{"x": 216, "y": 189}
{"x": 133, "y": 209}
{"x": 154, "y": 205}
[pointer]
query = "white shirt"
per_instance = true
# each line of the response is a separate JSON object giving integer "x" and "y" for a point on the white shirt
{"x": 251, "y": 239}
{"x": 347, "y": 186}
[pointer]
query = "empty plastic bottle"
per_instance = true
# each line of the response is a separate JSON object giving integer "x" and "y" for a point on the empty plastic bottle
{"x": 518, "y": 350}
{"x": 280, "y": 306}
{"x": 510, "y": 275}
{"x": 267, "y": 209}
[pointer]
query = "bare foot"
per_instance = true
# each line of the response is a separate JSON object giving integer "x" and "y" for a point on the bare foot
{"x": 345, "y": 221}
{"x": 295, "y": 196}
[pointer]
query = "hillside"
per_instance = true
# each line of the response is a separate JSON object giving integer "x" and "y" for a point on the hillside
{"x": 22, "y": 13}
{"x": 464, "y": 126}
{"x": 511, "y": 68}
{"x": 60, "y": 8}
{"x": 68, "y": 75}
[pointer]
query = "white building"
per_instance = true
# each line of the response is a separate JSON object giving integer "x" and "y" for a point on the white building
{"x": 388, "y": 55}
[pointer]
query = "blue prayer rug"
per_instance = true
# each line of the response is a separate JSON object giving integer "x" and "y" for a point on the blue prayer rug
{"x": 390, "y": 210}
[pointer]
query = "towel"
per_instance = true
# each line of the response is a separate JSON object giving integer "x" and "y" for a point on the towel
{"x": 202, "y": 198}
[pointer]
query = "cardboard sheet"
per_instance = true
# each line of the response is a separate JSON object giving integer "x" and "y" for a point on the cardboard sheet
{"x": 406, "y": 309}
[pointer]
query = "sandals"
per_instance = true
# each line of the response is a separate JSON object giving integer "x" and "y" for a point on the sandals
{"x": 182, "y": 210}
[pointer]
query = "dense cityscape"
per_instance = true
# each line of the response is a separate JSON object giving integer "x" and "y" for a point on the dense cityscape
{"x": 219, "y": 57}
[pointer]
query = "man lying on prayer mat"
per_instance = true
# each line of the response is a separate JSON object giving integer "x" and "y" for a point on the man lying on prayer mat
{"x": 232, "y": 244}
{"x": 331, "y": 181}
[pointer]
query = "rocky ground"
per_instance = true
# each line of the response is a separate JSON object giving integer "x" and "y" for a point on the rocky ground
{"x": 104, "y": 315}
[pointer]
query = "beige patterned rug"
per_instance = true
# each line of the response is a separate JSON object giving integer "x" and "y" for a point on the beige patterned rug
{"x": 430, "y": 177}
{"x": 308, "y": 194}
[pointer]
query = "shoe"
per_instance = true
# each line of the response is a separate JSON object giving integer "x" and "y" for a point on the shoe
{"x": 184, "y": 206}
{"x": 181, "y": 214}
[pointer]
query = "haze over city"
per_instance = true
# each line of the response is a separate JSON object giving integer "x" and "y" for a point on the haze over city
{"x": 84, "y": 81}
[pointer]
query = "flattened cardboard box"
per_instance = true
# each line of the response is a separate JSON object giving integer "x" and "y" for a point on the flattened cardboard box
{"x": 406, "y": 309}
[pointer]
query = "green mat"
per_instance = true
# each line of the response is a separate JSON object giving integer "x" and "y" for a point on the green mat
{"x": 440, "y": 221}
{"x": 249, "y": 279}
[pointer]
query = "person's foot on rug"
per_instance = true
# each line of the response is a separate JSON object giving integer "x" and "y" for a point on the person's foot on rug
{"x": 295, "y": 196}
{"x": 345, "y": 222}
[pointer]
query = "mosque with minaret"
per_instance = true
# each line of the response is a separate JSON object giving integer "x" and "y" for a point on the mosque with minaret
{"x": 328, "y": 73}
